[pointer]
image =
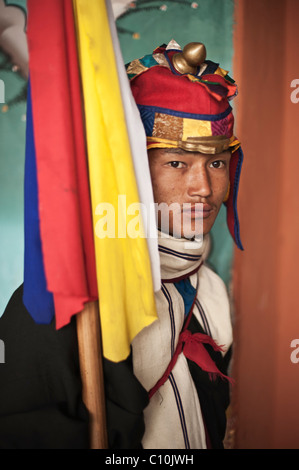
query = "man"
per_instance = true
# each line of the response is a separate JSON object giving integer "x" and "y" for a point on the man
{"x": 173, "y": 390}
{"x": 195, "y": 161}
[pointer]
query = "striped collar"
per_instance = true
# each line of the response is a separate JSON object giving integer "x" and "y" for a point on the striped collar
{"x": 179, "y": 258}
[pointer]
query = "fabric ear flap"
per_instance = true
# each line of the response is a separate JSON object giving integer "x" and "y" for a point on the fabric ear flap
{"x": 231, "y": 203}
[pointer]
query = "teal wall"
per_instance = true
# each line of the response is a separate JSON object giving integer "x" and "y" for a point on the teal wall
{"x": 211, "y": 22}
{"x": 12, "y": 157}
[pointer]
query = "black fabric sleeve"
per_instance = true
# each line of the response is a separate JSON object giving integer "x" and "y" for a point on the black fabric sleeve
{"x": 214, "y": 395}
{"x": 125, "y": 402}
{"x": 40, "y": 388}
{"x": 41, "y": 403}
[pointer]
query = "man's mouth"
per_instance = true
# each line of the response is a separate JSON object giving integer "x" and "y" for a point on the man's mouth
{"x": 197, "y": 210}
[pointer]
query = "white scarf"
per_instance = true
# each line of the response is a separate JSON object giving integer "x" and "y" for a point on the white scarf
{"x": 173, "y": 418}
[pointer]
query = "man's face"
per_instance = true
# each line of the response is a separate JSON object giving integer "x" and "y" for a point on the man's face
{"x": 188, "y": 178}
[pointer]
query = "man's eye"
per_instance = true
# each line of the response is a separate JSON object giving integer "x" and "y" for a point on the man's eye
{"x": 176, "y": 164}
{"x": 218, "y": 164}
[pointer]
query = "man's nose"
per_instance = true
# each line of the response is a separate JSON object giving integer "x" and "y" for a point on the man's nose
{"x": 199, "y": 183}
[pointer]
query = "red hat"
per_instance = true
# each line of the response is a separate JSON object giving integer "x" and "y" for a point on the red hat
{"x": 183, "y": 100}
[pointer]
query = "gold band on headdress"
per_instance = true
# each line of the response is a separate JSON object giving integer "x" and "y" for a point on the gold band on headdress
{"x": 205, "y": 144}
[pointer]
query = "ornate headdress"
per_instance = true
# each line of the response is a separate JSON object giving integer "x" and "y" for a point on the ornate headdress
{"x": 183, "y": 100}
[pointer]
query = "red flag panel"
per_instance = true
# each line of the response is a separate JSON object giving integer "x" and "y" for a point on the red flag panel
{"x": 63, "y": 188}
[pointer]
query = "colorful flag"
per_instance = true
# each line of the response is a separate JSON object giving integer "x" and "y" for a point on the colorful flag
{"x": 125, "y": 285}
{"x": 66, "y": 247}
{"x": 83, "y": 152}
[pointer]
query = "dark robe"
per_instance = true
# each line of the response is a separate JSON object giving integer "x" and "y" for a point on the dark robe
{"x": 41, "y": 404}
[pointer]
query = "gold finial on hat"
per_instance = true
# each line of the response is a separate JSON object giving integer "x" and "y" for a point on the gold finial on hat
{"x": 192, "y": 56}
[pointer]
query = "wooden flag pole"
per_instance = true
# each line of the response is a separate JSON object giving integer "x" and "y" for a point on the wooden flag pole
{"x": 90, "y": 354}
